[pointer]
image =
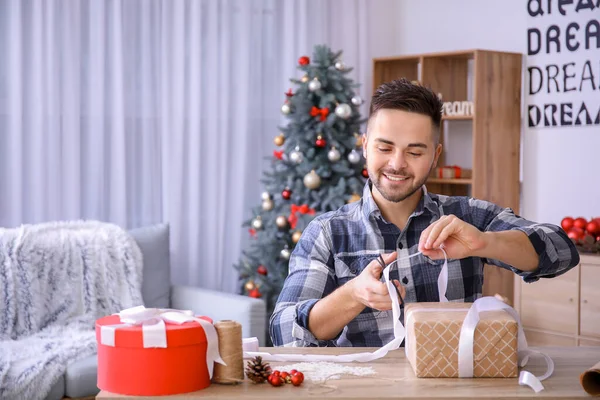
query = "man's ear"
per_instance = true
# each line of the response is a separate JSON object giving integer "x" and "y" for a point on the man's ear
{"x": 438, "y": 152}
{"x": 364, "y": 145}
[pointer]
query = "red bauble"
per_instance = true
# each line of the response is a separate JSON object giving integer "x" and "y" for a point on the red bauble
{"x": 304, "y": 60}
{"x": 593, "y": 228}
{"x": 262, "y": 270}
{"x": 576, "y": 233}
{"x": 275, "y": 380}
{"x": 254, "y": 293}
{"x": 320, "y": 142}
{"x": 598, "y": 238}
{"x": 297, "y": 378}
{"x": 365, "y": 173}
{"x": 567, "y": 223}
{"x": 580, "y": 223}
{"x": 286, "y": 194}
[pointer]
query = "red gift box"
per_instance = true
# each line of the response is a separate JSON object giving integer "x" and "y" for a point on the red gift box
{"x": 155, "y": 352}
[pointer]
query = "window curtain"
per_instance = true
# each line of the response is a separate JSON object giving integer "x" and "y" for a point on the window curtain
{"x": 145, "y": 111}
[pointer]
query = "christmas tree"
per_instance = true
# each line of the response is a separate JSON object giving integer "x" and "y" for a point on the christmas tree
{"x": 316, "y": 167}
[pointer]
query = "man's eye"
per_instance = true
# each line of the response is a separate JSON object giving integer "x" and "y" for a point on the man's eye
{"x": 383, "y": 150}
{"x": 415, "y": 154}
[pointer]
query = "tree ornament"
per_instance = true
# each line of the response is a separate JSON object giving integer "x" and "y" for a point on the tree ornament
{"x": 357, "y": 100}
{"x": 281, "y": 222}
{"x": 296, "y": 236}
{"x": 285, "y": 253}
{"x": 257, "y": 223}
{"x": 334, "y": 155}
{"x": 249, "y": 285}
{"x": 279, "y": 140}
{"x": 314, "y": 85}
{"x": 265, "y": 196}
{"x": 286, "y": 109}
{"x": 286, "y": 193}
{"x": 320, "y": 142}
{"x": 365, "y": 173}
{"x": 255, "y": 293}
{"x": 343, "y": 111}
{"x": 354, "y": 157}
{"x": 258, "y": 370}
{"x": 304, "y": 79}
{"x": 304, "y": 60}
{"x": 262, "y": 270}
{"x": 339, "y": 65}
{"x": 312, "y": 180}
{"x": 267, "y": 205}
{"x": 359, "y": 140}
{"x": 296, "y": 156}
{"x": 355, "y": 197}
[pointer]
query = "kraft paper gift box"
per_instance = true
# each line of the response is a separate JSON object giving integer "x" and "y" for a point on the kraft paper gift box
{"x": 130, "y": 362}
{"x": 433, "y": 335}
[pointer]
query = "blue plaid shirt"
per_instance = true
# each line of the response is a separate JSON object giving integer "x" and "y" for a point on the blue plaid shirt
{"x": 336, "y": 246}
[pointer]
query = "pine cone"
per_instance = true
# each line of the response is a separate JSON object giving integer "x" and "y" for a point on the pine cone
{"x": 257, "y": 370}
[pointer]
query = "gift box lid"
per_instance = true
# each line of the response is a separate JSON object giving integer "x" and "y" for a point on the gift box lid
{"x": 185, "y": 334}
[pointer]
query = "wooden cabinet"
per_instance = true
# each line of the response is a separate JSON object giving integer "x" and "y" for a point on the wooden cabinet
{"x": 485, "y": 144}
{"x": 562, "y": 311}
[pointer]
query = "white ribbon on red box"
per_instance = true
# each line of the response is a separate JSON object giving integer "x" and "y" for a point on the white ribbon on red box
{"x": 154, "y": 330}
{"x": 465, "y": 341}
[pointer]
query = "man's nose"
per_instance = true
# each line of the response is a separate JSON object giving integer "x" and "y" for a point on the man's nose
{"x": 397, "y": 161}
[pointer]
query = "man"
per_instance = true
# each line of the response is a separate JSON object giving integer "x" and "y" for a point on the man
{"x": 334, "y": 295}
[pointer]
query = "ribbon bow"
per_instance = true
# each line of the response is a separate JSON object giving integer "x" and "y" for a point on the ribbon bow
{"x": 154, "y": 330}
{"x": 303, "y": 209}
{"x": 316, "y": 111}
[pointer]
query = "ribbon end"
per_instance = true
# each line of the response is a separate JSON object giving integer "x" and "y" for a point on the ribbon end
{"x": 220, "y": 361}
{"x": 528, "y": 379}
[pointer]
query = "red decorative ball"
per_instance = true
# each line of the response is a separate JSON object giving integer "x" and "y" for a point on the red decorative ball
{"x": 580, "y": 223}
{"x": 254, "y": 293}
{"x": 304, "y": 60}
{"x": 320, "y": 142}
{"x": 593, "y": 227}
{"x": 286, "y": 194}
{"x": 365, "y": 173}
{"x": 567, "y": 223}
{"x": 262, "y": 270}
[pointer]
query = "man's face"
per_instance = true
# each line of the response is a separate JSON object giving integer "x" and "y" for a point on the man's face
{"x": 400, "y": 152}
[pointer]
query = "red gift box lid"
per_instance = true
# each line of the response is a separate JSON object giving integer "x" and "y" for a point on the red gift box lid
{"x": 185, "y": 334}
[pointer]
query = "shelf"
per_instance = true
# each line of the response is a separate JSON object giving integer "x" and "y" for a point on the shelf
{"x": 457, "y": 117}
{"x": 450, "y": 181}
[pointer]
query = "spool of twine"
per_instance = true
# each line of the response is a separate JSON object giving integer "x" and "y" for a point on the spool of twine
{"x": 231, "y": 350}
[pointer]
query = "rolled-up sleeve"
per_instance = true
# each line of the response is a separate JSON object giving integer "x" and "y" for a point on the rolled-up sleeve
{"x": 310, "y": 278}
{"x": 556, "y": 251}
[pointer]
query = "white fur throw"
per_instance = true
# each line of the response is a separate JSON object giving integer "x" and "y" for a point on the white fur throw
{"x": 56, "y": 279}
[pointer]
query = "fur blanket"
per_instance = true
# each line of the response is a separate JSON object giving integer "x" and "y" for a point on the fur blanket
{"x": 56, "y": 279}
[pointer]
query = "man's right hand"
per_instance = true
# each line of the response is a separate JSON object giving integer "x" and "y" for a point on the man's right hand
{"x": 369, "y": 291}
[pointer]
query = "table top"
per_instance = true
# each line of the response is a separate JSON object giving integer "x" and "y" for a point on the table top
{"x": 394, "y": 378}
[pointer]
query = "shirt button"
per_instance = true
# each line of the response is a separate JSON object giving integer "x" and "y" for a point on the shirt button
{"x": 400, "y": 246}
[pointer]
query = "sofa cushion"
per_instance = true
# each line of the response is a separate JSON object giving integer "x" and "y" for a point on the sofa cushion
{"x": 57, "y": 391}
{"x": 154, "y": 243}
{"x": 81, "y": 378}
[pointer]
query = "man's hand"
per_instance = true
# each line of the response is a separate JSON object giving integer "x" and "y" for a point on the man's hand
{"x": 459, "y": 238}
{"x": 368, "y": 290}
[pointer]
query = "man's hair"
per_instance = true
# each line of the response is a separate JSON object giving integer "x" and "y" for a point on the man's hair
{"x": 401, "y": 94}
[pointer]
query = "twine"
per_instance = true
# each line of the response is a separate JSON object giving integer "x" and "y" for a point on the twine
{"x": 231, "y": 350}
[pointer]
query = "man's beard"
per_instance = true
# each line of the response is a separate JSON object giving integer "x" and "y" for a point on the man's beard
{"x": 396, "y": 197}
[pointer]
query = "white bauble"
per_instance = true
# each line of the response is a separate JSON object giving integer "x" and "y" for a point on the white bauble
{"x": 356, "y": 100}
{"x": 286, "y": 109}
{"x": 257, "y": 223}
{"x": 333, "y": 155}
{"x": 265, "y": 196}
{"x": 354, "y": 157}
{"x": 339, "y": 65}
{"x": 314, "y": 85}
{"x": 312, "y": 180}
{"x": 285, "y": 253}
{"x": 343, "y": 111}
{"x": 267, "y": 205}
{"x": 296, "y": 156}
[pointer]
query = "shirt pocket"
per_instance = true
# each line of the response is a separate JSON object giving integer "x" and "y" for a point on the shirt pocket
{"x": 348, "y": 267}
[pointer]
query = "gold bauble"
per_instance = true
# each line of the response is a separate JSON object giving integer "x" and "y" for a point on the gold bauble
{"x": 267, "y": 205}
{"x": 304, "y": 78}
{"x": 353, "y": 198}
{"x": 296, "y": 236}
{"x": 279, "y": 140}
{"x": 281, "y": 221}
{"x": 249, "y": 285}
{"x": 359, "y": 141}
{"x": 312, "y": 180}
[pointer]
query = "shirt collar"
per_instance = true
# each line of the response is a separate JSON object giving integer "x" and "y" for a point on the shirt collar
{"x": 370, "y": 208}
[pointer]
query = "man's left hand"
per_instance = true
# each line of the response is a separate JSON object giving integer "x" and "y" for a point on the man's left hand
{"x": 459, "y": 238}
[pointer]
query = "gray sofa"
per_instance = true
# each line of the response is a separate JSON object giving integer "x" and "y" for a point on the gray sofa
{"x": 80, "y": 377}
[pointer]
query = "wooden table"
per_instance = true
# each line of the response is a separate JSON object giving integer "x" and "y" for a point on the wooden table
{"x": 394, "y": 378}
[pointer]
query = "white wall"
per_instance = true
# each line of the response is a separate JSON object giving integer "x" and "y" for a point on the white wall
{"x": 560, "y": 167}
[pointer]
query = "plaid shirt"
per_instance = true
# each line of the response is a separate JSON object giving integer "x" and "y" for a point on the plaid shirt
{"x": 336, "y": 246}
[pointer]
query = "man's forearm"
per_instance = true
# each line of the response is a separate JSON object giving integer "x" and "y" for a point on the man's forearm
{"x": 511, "y": 247}
{"x": 331, "y": 314}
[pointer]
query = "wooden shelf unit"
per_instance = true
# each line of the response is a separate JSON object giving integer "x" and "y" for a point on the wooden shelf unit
{"x": 492, "y": 81}
{"x": 565, "y": 310}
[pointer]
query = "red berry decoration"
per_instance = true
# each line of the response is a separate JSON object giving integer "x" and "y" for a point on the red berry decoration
{"x": 286, "y": 194}
{"x": 262, "y": 270}
{"x": 365, "y": 173}
{"x": 304, "y": 60}
{"x": 320, "y": 142}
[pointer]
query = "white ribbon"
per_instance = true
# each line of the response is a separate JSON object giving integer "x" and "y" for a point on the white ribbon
{"x": 399, "y": 331}
{"x": 154, "y": 330}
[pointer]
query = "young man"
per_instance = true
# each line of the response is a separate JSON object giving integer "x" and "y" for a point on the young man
{"x": 334, "y": 296}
